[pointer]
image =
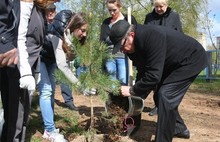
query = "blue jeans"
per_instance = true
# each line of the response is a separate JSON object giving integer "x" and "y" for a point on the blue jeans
{"x": 80, "y": 70}
{"x": 66, "y": 93}
{"x": 47, "y": 89}
{"x": 117, "y": 68}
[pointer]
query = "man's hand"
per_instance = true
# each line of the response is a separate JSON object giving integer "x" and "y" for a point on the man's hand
{"x": 125, "y": 91}
{"x": 28, "y": 82}
{"x": 9, "y": 58}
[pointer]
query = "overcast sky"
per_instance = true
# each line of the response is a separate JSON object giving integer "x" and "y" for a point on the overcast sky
{"x": 214, "y": 6}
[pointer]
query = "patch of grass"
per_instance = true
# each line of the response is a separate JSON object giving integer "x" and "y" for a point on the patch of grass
{"x": 65, "y": 119}
{"x": 206, "y": 86}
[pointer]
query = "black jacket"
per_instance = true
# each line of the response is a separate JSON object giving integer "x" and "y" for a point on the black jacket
{"x": 9, "y": 21}
{"x": 169, "y": 19}
{"x": 60, "y": 22}
{"x": 57, "y": 27}
{"x": 164, "y": 56}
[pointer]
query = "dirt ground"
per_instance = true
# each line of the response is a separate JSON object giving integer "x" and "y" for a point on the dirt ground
{"x": 201, "y": 113}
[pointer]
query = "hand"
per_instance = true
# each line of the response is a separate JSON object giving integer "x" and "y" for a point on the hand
{"x": 27, "y": 82}
{"x": 68, "y": 37}
{"x": 125, "y": 91}
{"x": 9, "y": 58}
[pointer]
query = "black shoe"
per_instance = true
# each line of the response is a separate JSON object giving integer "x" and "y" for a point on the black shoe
{"x": 153, "y": 111}
{"x": 71, "y": 106}
{"x": 185, "y": 134}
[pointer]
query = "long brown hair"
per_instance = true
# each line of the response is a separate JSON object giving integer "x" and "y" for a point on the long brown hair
{"x": 43, "y": 3}
{"x": 77, "y": 20}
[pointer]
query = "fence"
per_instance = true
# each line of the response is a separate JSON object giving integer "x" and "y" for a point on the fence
{"x": 212, "y": 72}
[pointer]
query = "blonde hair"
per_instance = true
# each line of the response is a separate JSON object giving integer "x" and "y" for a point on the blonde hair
{"x": 165, "y": 2}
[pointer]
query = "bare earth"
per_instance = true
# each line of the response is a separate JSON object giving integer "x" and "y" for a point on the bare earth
{"x": 201, "y": 113}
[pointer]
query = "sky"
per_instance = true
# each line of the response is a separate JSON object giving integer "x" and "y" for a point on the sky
{"x": 214, "y": 6}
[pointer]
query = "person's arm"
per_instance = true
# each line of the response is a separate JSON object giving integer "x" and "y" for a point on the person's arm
{"x": 23, "y": 65}
{"x": 145, "y": 20}
{"x": 148, "y": 18}
{"x": 27, "y": 80}
{"x": 178, "y": 23}
{"x": 61, "y": 59}
{"x": 133, "y": 20}
{"x": 105, "y": 30}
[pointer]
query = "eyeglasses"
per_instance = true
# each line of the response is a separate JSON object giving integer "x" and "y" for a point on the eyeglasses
{"x": 112, "y": 10}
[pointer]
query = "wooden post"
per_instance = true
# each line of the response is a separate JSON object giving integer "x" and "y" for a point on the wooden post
{"x": 130, "y": 69}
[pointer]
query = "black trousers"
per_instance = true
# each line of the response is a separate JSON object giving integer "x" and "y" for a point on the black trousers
{"x": 16, "y": 105}
{"x": 169, "y": 120}
{"x": 66, "y": 93}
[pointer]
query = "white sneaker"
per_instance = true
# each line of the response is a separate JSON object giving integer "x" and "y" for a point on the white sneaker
{"x": 54, "y": 136}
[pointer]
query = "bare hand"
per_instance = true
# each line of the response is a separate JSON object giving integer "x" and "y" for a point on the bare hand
{"x": 9, "y": 58}
{"x": 125, "y": 91}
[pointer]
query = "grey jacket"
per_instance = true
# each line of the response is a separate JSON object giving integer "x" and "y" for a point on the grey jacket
{"x": 35, "y": 38}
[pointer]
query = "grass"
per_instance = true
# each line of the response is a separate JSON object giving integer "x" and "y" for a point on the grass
{"x": 203, "y": 86}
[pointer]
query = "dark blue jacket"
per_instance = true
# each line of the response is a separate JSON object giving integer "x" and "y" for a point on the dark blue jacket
{"x": 56, "y": 28}
{"x": 9, "y": 21}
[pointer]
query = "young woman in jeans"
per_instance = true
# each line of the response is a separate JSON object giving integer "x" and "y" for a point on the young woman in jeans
{"x": 77, "y": 25}
{"x": 117, "y": 66}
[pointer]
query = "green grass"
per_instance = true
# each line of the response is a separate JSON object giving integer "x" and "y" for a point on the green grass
{"x": 210, "y": 87}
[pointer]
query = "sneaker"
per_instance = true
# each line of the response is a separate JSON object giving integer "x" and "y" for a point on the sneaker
{"x": 54, "y": 136}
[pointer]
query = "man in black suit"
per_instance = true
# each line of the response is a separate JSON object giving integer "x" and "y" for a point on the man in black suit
{"x": 164, "y": 58}
{"x": 9, "y": 73}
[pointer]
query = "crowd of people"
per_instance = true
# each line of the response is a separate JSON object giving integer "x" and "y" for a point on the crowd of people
{"x": 35, "y": 41}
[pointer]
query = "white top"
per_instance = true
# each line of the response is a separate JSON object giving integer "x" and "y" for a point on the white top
{"x": 25, "y": 13}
